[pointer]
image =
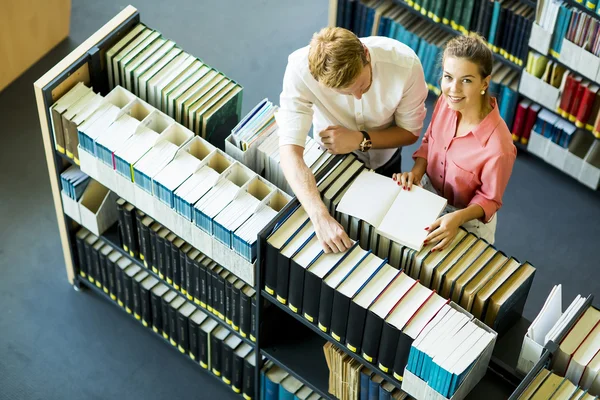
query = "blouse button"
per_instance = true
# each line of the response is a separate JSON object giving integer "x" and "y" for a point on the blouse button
{"x": 441, "y": 177}
{"x": 445, "y": 147}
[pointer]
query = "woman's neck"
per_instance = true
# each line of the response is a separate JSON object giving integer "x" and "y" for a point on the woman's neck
{"x": 476, "y": 114}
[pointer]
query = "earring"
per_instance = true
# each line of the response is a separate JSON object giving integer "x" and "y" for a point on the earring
{"x": 482, "y": 92}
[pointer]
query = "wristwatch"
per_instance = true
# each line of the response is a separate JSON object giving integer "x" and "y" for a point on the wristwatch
{"x": 366, "y": 144}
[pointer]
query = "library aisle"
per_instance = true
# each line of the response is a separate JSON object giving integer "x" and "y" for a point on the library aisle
{"x": 61, "y": 344}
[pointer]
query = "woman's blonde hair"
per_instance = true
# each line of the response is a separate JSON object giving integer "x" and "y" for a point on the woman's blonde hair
{"x": 336, "y": 57}
{"x": 474, "y": 49}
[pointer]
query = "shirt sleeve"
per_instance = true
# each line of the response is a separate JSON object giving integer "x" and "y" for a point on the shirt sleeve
{"x": 411, "y": 111}
{"x": 423, "y": 150}
{"x": 294, "y": 117}
{"x": 494, "y": 178}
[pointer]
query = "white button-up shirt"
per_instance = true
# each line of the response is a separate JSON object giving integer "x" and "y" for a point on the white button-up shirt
{"x": 397, "y": 95}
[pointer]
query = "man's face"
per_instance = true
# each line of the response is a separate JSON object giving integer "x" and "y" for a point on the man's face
{"x": 361, "y": 85}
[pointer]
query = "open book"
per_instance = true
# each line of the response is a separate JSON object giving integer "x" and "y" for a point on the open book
{"x": 397, "y": 214}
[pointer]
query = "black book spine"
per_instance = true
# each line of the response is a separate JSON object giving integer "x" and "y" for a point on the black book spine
{"x": 355, "y": 327}
{"x": 270, "y": 272}
{"x": 89, "y": 269}
{"x": 402, "y": 351}
{"x": 245, "y": 315}
{"x": 253, "y": 318}
{"x": 190, "y": 278}
{"x": 173, "y": 329}
{"x": 283, "y": 278}
{"x": 175, "y": 266}
{"x": 164, "y": 312}
{"x": 226, "y": 363}
{"x": 311, "y": 296}
{"x": 237, "y": 373}
{"x": 80, "y": 243}
{"x": 168, "y": 265}
{"x": 221, "y": 307}
{"x": 203, "y": 348}
{"x": 146, "y": 308}
{"x": 182, "y": 325}
{"x": 339, "y": 316}
{"x": 104, "y": 272}
{"x": 128, "y": 293}
{"x": 228, "y": 294}
{"x": 209, "y": 291}
{"x": 202, "y": 289}
{"x": 160, "y": 256}
{"x": 248, "y": 389}
{"x": 371, "y": 336}
{"x": 215, "y": 356}
{"x": 145, "y": 253}
{"x": 235, "y": 308}
{"x": 112, "y": 281}
{"x": 296, "y": 287}
{"x": 325, "y": 307}
{"x": 193, "y": 339}
{"x": 156, "y": 312}
{"x": 214, "y": 299}
{"x": 138, "y": 232}
{"x": 120, "y": 291}
{"x": 387, "y": 347}
{"x": 153, "y": 251}
{"x": 183, "y": 274}
{"x": 96, "y": 255}
{"x": 130, "y": 232}
{"x": 137, "y": 301}
{"x": 122, "y": 228}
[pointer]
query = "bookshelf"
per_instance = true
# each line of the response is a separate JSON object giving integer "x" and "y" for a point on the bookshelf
{"x": 582, "y": 7}
{"x": 449, "y": 29}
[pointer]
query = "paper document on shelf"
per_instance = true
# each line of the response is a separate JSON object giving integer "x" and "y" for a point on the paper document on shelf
{"x": 548, "y": 316}
{"x": 397, "y": 214}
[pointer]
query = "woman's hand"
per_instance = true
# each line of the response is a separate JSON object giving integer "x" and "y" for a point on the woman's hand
{"x": 443, "y": 230}
{"x": 406, "y": 179}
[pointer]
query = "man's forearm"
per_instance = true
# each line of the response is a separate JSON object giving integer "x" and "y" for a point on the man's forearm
{"x": 301, "y": 180}
{"x": 392, "y": 137}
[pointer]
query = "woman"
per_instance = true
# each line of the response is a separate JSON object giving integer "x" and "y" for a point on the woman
{"x": 467, "y": 154}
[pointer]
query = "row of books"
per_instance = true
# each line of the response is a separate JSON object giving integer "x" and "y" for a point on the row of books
{"x": 255, "y": 143}
{"x": 502, "y": 23}
{"x": 73, "y": 182}
{"x": 525, "y": 118}
{"x": 278, "y": 384}
{"x": 445, "y": 350}
{"x": 187, "y": 270}
{"x": 162, "y": 162}
{"x": 580, "y": 29}
{"x": 180, "y": 85}
{"x": 363, "y": 302}
{"x": 548, "y": 385}
{"x": 554, "y": 128}
{"x": 349, "y": 379}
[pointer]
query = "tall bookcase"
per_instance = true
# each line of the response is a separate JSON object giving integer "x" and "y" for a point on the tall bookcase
{"x": 300, "y": 354}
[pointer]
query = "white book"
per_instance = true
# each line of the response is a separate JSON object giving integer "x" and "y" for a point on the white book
{"x": 326, "y": 262}
{"x": 198, "y": 185}
{"x": 400, "y": 286}
{"x": 409, "y": 306}
{"x": 237, "y": 212}
{"x": 365, "y": 270}
{"x": 172, "y": 69}
{"x": 354, "y": 257}
{"x": 144, "y": 74}
{"x": 130, "y": 54}
{"x": 250, "y": 229}
{"x": 382, "y": 203}
{"x": 424, "y": 315}
{"x": 192, "y": 79}
{"x": 280, "y": 236}
{"x": 547, "y": 317}
{"x": 89, "y": 109}
{"x": 100, "y": 121}
{"x": 564, "y": 319}
{"x": 583, "y": 355}
{"x": 117, "y": 48}
{"x": 375, "y": 286}
{"x": 343, "y": 181}
{"x": 183, "y": 76}
{"x": 139, "y": 61}
{"x": 299, "y": 238}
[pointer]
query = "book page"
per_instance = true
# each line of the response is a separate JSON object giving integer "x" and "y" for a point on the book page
{"x": 411, "y": 212}
{"x": 369, "y": 197}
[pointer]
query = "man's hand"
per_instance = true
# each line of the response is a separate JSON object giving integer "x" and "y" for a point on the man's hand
{"x": 340, "y": 140}
{"x": 331, "y": 234}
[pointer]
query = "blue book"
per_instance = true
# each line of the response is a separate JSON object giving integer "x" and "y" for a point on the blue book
{"x": 374, "y": 384}
{"x": 494, "y": 24}
{"x": 288, "y": 387}
{"x": 339, "y": 19}
{"x": 385, "y": 391}
{"x": 365, "y": 381}
{"x": 273, "y": 379}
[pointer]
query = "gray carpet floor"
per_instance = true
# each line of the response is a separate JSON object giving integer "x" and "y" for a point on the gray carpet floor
{"x": 57, "y": 343}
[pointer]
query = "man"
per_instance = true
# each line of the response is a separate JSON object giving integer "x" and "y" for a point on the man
{"x": 365, "y": 96}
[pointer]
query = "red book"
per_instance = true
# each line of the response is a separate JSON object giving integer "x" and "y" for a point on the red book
{"x": 589, "y": 124}
{"x": 567, "y": 96}
{"x": 597, "y": 127}
{"x": 520, "y": 115}
{"x": 576, "y": 104}
{"x": 532, "y": 113}
{"x": 585, "y": 107}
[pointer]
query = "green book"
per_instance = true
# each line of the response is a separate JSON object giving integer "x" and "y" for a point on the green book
{"x": 467, "y": 14}
{"x": 438, "y": 10}
{"x": 448, "y": 10}
{"x": 456, "y": 18}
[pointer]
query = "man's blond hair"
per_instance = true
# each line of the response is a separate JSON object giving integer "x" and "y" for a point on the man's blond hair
{"x": 336, "y": 57}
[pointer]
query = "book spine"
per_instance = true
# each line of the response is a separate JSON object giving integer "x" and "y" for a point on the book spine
{"x": 175, "y": 266}
{"x": 193, "y": 339}
{"x": 245, "y": 315}
{"x": 371, "y": 336}
{"x": 325, "y": 307}
{"x": 270, "y": 272}
{"x": 387, "y": 347}
{"x": 311, "y": 296}
{"x": 137, "y": 301}
{"x": 156, "y": 312}
{"x": 215, "y": 356}
{"x": 182, "y": 325}
{"x": 235, "y": 308}
{"x": 339, "y": 316}
{"x": 110, "y": 273}
{"x": 355, "y": 327}
{"x": 191, "y": 275}
{"x": 296, "y": 287}
{"x": 173, "y": 329}
{"x": 283, "y": 278}
{"x": 146, "y": 308}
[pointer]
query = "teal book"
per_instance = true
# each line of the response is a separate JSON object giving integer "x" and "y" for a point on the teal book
{"x": 494, "y": 23}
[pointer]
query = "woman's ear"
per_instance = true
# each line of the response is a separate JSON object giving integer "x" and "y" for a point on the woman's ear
{"x": 486, "y": 82}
